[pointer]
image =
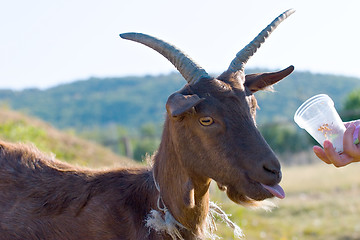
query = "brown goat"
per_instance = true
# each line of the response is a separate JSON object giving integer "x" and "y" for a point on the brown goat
{"x": 209, "y": 134}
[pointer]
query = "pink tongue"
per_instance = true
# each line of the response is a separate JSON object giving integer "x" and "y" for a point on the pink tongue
{"x": 275, "y": 190}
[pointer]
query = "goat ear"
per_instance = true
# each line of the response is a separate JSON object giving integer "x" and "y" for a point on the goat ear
{"x": 178, "y": 103}
{"x": 259, "y": 81}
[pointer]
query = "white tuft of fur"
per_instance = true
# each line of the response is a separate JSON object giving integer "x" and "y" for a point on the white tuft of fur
{"x": 167, "y": 225}
{"x": 264, "y": 205}
{"x": 267, "y": 205}
{"x": 170, "y": 226}
{"x": 215, "y": 209}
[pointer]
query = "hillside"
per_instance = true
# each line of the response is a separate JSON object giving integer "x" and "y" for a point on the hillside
{"x": 17, "y": 127}
{"x": 129, "y": 101}
{"x": 134, "y": 101}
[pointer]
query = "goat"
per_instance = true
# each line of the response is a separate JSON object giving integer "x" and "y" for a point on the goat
{"x": 209, "y": 134}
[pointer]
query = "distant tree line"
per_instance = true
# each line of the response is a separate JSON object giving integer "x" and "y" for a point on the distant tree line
{"x": 134, "y": 101}
{"x": 126, "y": 114}
{"x": 133, "y": 143}
{"x": 284, "y": 137}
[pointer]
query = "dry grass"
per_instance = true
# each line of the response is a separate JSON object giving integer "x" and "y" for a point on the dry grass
{"x": 322, "y": 202}
{"x": 17, "y": 127}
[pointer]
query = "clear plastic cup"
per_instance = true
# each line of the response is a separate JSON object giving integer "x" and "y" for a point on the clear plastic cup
{"x": 320, "y": 119}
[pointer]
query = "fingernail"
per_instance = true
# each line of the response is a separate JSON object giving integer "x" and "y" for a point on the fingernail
{"x": 327, "y": 144}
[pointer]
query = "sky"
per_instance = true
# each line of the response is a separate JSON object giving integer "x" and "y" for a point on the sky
{"x": 45, "y": 43}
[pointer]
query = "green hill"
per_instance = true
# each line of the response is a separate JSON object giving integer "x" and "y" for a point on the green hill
{"x": 134, "y": 101}
{"x": 17, "y": 127}
{"x": 291, "y": 92}
{"x": 129, "y": 101}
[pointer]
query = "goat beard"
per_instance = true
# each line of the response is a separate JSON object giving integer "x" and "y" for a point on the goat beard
{"x": 245, "y": 201}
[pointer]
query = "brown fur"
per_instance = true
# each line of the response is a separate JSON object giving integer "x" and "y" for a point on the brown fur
{"x": 42, "y": 198}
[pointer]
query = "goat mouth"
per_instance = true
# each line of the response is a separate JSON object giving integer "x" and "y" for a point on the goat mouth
{"x": 275, "y": 190}
{"x": 255, "y": 190}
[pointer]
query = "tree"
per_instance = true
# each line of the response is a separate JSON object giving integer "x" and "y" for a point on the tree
{"x": 284, "y": 137}
{"x": 144, "y": 147}
{"x": 351, "y": 109}
{"x": 148, "y": 141}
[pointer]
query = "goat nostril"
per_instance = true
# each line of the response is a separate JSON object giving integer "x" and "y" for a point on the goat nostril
{"x": 272, "y": 170}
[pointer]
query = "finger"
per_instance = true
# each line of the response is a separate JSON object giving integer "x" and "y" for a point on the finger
{"x": 338, "y": 160}
{"x": 343, "y": 160}
{"x": 331, "y": 153}
{"x": 356, "y": 123}
{"x": 348, "y": 134}
{"x": 319, "y": 152}
{"x": 357, "y": 135}
{"x": 348, "y": 141}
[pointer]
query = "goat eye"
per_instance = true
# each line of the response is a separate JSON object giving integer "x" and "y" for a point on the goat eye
{"x": 206, "y": 121}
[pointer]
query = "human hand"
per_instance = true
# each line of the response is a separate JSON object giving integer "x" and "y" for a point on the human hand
{"x": 351, "y": 152}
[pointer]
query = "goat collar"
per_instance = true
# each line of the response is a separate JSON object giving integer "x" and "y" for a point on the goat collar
{"x": 169, "y": 225}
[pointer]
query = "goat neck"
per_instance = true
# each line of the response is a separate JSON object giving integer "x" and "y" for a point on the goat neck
{"x": 185, "y": 194}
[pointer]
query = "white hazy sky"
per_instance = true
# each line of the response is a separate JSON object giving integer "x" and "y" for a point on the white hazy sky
{"x": 44, "y": 43}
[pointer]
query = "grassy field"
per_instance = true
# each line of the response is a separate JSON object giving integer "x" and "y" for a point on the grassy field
{"x": 322, "y": 202}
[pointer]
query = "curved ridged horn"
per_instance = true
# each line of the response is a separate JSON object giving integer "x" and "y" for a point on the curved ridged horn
{"x": 184, "y": 64}
{"x": 244, "y": 55}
